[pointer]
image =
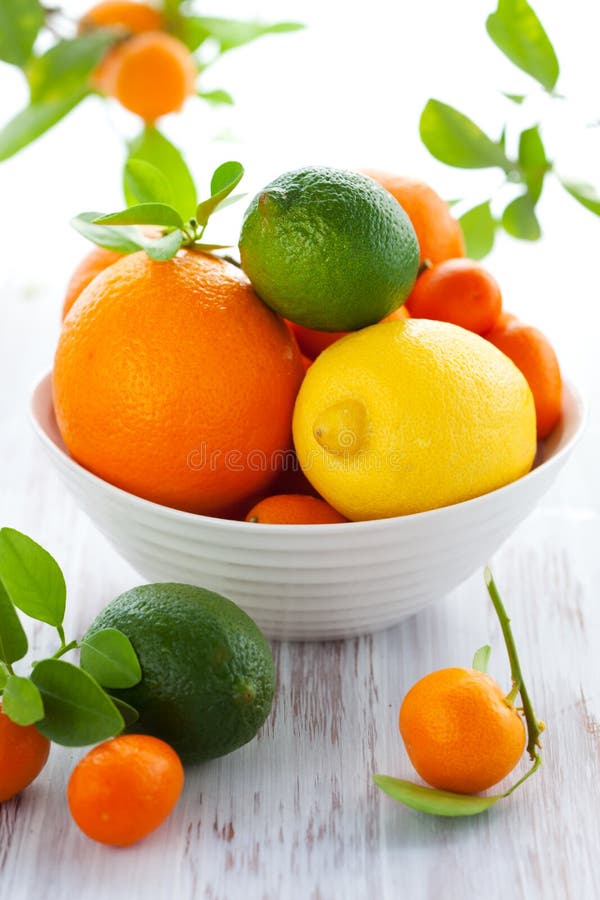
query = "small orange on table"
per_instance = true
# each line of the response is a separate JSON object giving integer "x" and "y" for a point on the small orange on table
{"x": 125, "y": 788}
{"x": 460, "y": 733}
{"x": 23, "y": 755}
{"x": 294, "y": 509}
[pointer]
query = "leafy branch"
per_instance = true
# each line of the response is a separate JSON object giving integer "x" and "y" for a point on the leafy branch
{"x": 61, "y": 77}
{"x": 69, "y": 704}
{"x": 454, "y": 139}
{"x": 161, "y": 193}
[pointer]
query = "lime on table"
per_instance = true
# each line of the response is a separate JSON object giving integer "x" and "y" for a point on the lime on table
{"x": 207, "y": 671}
{"x": 329, "y": 249}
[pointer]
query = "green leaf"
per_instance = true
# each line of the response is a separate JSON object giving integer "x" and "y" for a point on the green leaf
{"x": 123, "y": 239}
{"x": 456, "y": 140}
{"x": 35, "y": 120}
{"x": 109, "y": 658}
{"x": 217, "y": 97}
{"x": 145, "y": 183}
{"x": 479, "y": 230}
{"x": 66, "y": 67}
{"x": 208, "y": 248}
{"x": 228, "y": 33}
{"x": 431, "y": 801}
{"x": 584, "y": 193}
{"x": 129, "y": 713}
{"x": 77, "y": 711}
{"x": 152, "y": 147}
{"x": 144, "y": 214}
{"x": 20, "y": 22}
{"x": 13, "y": 640}
{"x": 21, "y": 701}
{"x": 515, "y": 98}
{"x": 519, "y": 219}
{"x": 224, "y": 180}
{"x": 482, "y": 658}
{"x": 32, "y": 578}
{"x": 518, "y": 33}
{"x": 533, "y": 161}
{"x": 3, "y": 676}
{"x": 164, "y": 248}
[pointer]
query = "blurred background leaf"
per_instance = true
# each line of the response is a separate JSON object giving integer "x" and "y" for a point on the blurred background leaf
{"x": 518, "y": 33}
{"x": 20, "y": 22}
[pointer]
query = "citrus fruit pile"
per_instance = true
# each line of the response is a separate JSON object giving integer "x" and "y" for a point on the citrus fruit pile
{"x": 356, "y": 366}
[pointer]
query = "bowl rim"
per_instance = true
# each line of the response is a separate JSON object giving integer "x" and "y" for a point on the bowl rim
{"x": 337, "y": 528}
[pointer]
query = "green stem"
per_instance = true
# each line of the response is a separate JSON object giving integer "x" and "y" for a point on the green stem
{"x": 536, "y": 764}
{"x": 534, "y": 726}
{"x": 65, "y": 649}
{"x": 61, "y": 634}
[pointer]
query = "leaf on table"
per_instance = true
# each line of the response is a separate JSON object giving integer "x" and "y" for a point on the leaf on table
{"x": 479, "y": 229}
{"x": 432, "y": 801}
{"x": 584, "y": 193}
{"x": 35, "y": 120}
{"x": 22, "y": 701}
{"x": 32, "y": 578}
{"x": 153, "y": 147}
{"x": 66, "y": 67}
{"x": 516, "y": 30}
{"x": 77, "y": 711}
{"x": 519, "y": 219}
{"x": 456, "y": 140}
{"x": 109, "y": 657}
{"x": 20, "y": 22}
{"x": 13, "y": 640}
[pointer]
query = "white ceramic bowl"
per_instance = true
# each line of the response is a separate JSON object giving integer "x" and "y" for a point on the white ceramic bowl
{"x": 312, "y": 582}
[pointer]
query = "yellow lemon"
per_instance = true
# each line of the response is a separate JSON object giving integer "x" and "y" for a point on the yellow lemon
{"x": 412, "y": 415}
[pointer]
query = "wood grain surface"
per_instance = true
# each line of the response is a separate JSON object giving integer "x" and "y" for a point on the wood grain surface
{"x": 295, "y": 813}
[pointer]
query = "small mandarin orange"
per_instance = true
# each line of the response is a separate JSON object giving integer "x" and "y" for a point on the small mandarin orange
{"x": 313, "y": 342}
{"x": 294, "y": 509}
{"x": 459, "y": 291}
{"x": 133, "y": 17}
{"x": 459, "y": 731}
{"x": 23, "y": 755}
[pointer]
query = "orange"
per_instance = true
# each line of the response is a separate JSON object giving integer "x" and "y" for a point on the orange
{"x": 23, "y": 755}
{"x": 439, "y": 234}
{"x": 151, "y": 74}
{"x": 174, "y": 381}
{"x": 503, "y": 319}
{"x": 294, "y": 509}
{"x": 125, "y": 788}
{"x": 91, "y": 265}
{"x": 313, "y": 342}
{"x": 459, "y": 291}
{"x": 532, "y": 353}
{"x": 134, "y": 17}
{"x": 460, "y": 733}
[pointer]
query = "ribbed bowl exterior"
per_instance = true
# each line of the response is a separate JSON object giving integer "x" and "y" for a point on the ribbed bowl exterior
{"x": 312, "y": 582}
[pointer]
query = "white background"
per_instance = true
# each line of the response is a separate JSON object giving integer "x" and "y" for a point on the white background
{"x": 348, "y": 91}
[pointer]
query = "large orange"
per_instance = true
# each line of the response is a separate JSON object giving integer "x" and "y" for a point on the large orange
{"x": 174, "y": 381}
{"x": 439, "y": 234}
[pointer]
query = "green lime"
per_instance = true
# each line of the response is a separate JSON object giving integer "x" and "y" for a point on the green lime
{"x": 207, "y": 671}
{"x": 329, "y": 249}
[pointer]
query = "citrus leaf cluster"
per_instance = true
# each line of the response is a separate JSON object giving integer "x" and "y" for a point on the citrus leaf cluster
{"x": 456, "y": 140}
{"x": 69, "y": 704}
{"x": 60, "y": 77}
{"x": 161, "y": 196}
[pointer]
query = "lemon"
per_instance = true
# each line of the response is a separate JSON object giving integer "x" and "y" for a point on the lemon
{"x": 329, "y": 249}
{"x": 412, "y": 415}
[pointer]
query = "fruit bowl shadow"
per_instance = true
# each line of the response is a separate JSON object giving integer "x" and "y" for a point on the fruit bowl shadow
{"x": 312, "y": 582}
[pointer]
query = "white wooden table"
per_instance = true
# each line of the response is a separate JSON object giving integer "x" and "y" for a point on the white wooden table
{"x": 295, "y": 813}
